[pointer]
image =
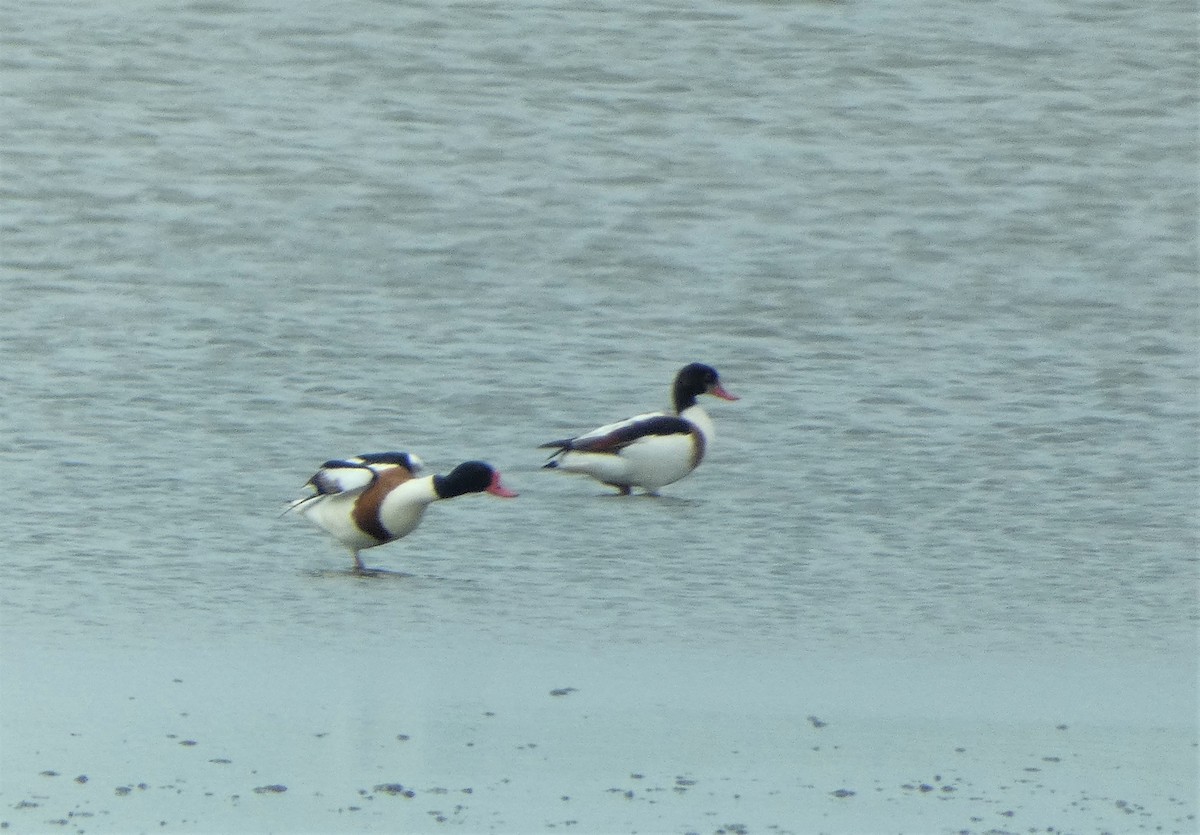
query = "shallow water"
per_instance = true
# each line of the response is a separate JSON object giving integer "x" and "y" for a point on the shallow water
{"x": 948, "y": 262}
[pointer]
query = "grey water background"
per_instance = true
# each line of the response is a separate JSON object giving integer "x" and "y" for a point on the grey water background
{"x": 946, "y": 253}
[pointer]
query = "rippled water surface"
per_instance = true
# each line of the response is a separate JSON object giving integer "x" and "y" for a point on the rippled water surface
{"x": 947, "y": 259}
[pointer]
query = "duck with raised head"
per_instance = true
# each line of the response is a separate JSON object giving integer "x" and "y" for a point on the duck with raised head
{"x": 651, "y": 450}
{"x": 379, "y": 497}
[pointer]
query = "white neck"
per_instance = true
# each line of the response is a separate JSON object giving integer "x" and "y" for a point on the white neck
{"x": 417, "y": 491}
{"x": 700, "y": 419}
{"x": 403, "y": 508}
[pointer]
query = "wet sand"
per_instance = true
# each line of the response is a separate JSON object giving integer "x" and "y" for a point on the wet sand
{"x": 387, "y": 738}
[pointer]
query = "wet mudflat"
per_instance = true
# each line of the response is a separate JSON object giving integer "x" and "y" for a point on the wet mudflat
{"x": 538, "y": 741}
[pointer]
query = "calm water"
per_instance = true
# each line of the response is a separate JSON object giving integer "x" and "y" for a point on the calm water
{"x": 947, "y": 259}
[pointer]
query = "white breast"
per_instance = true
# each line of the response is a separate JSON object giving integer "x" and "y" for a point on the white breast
{"x": 658, "y": 460}
{"x": 403, "y": 508}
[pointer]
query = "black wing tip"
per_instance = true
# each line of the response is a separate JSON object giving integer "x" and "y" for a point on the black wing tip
{"x": 550, "y": 465}
{"x": 403, "y": 459}
{"x": 337, "y": 463}
{"x": 297, "y": 505}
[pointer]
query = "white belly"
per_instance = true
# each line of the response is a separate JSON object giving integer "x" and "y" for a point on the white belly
{"x": 335, "y": 515}
{"x": 650, "y": 463}
{"x": 400, "y": 513}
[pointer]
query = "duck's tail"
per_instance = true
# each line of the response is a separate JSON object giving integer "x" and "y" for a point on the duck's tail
{"x": 559, "y": 447}
{"x": 296, "y": 505}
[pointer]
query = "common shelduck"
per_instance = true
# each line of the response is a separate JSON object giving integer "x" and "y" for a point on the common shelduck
{"x": 377, "y": 498}
{"x": 650, "y": 450}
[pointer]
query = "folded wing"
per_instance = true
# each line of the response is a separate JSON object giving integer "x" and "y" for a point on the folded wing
{"x": 355, "y": 475}
{"x": 614, "y": 437}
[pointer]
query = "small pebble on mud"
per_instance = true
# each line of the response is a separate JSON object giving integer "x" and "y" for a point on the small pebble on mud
{"x": 274, "y": 788}
{"x": 395, "y": 789}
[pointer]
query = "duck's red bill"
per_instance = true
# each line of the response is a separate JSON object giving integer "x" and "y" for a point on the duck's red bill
{"x": 719, "y": 391}
{"x": 496, "y": 488}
